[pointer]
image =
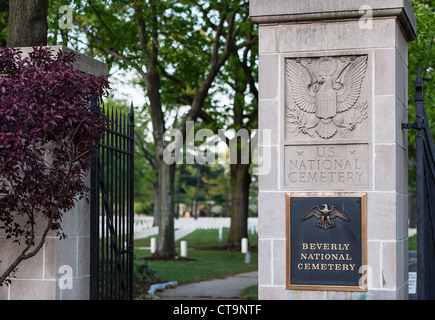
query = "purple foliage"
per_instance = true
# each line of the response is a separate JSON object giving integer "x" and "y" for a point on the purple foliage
{"x": 47, "y": 137}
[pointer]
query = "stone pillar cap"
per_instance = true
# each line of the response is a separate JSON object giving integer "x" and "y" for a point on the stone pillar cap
{"x": 83, "y": 63}
{"x": 296, "y": 11}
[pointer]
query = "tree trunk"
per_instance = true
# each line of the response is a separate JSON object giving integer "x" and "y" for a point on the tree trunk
{"x": 166, "y": 238}
{"x": 198, "y": 184}
{"x": 27, "y": 23}
{"x": 156, "y": 202}
{"x": 177, "y": 214}
{"x": 240, "y": 183}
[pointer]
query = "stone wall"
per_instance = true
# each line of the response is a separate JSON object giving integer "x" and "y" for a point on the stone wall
{"x": 60, "y": 270}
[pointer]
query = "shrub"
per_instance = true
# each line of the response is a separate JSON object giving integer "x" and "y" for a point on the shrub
{"x": 144, "y": 277}
{"x": 48, "y": 133}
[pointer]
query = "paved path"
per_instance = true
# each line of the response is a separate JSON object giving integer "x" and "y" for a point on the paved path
{"x": 228, "y": 288}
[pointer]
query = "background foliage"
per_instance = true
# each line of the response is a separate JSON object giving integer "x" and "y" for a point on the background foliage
{"x": 421, "y": 54}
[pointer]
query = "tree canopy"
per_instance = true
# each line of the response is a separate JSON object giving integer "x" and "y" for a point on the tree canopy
{"x": 421, "y": 54}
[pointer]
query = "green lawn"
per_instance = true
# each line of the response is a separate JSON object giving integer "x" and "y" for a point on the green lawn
{"x": 412, "y": 243}
{"x": 201, "y": 263}
{"x": 204, "y": 265}
{"x": 250, "y": 293}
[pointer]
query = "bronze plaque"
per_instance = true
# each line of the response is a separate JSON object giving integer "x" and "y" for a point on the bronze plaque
{"x": 326, "y": 235}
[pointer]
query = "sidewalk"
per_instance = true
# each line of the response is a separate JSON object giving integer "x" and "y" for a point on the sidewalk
{"x": 228, "y": 288}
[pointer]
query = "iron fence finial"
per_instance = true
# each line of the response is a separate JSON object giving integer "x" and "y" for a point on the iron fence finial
{"x": 131, "y": 114}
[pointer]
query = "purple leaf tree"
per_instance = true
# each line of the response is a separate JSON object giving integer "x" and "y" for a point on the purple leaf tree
{"x": 48, "y": 134}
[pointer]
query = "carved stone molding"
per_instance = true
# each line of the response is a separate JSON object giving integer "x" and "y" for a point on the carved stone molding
{"x": 324, "y": 95}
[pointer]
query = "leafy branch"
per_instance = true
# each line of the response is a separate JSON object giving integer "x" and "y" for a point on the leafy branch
{"x": 297, "y": 122}
{"x": 359, "y": 115}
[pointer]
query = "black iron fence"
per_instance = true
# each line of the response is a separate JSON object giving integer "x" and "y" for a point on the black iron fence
{"x": 425, "y": 158}
{"x": 112, "y": 215}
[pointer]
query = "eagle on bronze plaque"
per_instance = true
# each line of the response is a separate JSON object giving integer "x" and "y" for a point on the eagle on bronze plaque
{"x": 325, "y": 216}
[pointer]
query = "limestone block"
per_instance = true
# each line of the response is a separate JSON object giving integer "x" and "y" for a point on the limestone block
{"x": 264, "y": 261}
{"x": 279, "y": 267}
{"x": 268, "y": 179}
{"x": 271, "y": 214}
{"x": 268, "y": 120}
{"x": 337, "y": 167}
{"x": 33, "y": 290}
{"x": 83, "y": 63}
{"x": 387, "y": 116}
{"x": 268, "y": 81}
{"x": 381, "y": 215}
{"x": 385, "y": 71}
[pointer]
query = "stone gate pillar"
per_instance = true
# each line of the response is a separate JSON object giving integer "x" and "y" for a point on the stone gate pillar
{"x": 61, "y": 269}
{"x": 333, "y": 212}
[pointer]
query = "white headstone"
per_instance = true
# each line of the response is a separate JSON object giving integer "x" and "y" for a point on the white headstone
{"x": 244, "y": 245}
{"x": 183, "y": 247}
{"x": 153, "y": 245}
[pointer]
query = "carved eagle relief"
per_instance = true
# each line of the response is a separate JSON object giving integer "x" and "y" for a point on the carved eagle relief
{"x": 325, "y": 216}
{"x": 326, "y": 88}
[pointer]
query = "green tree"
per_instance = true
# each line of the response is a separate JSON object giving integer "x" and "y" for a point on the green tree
{"x": 421, "y": 53}
{"x": 4, "y": 15}
{"x": 185, "y": 179}
{"x": 176, "y": 48}
{"x": 243, "y": 72}
{"x": 238, "y": 81}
